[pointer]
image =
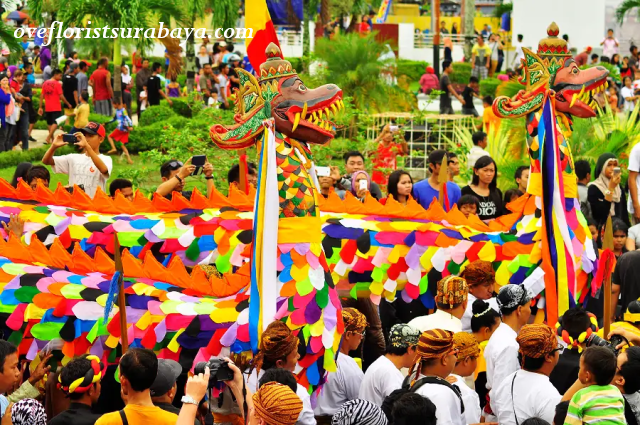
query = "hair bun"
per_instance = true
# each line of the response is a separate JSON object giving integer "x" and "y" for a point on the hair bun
{"x": 479, "y": 306}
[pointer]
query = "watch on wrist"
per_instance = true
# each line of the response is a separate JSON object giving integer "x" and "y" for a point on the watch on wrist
{"x": 187, "y": 399}
{"x": 208, "y": 178}
{"x": 178, "y": 177}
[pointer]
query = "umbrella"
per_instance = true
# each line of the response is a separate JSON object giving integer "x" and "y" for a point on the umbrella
{"x": 17, "y": 15}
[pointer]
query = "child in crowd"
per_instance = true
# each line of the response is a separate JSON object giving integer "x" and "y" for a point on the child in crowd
{"x": 173, "y": 88}
{"x": 599, "y": 402}
{"x": 613, "y": 98}
{"x": 593, "y": 228}
{"x": 468, "y": 94}
{"x": 81, "y": 113}
{"x": 512, "y": 195}
{"x": 143, "y": 98}
{"x": 468, "y": 205}
{"x": 466, "y": 364}
{"x": 121, "y": 132}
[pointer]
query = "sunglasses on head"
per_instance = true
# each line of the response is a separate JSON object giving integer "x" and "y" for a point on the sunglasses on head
{"x": 174, "y": 165}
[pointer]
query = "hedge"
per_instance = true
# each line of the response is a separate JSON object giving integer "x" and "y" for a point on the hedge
{"x": 488, "y": 87}
{"x": 146, "y": 138}
{"x": 154, "y": 114}
{"x": 461, "y": 73}
{"x": 13, "y": 158}
{"x": 412, "y": 69}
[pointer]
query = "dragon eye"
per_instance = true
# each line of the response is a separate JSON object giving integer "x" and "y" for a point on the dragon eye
{"x": 575, "y": 70}
{"x": 302, "y": 87}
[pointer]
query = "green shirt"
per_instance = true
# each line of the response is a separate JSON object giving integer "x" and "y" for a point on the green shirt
{"x": 603, "y": 405}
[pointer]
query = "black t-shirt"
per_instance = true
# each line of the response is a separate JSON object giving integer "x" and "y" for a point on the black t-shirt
{"x": 77, "y": 413}
{"x": 490, "y": 206}
{"x": 234, "y": 74}
{"x": 467, "y": 96}
{"x": 626, "y": 275}
{"x": 153, "y": 90}
{"x": 565, "y": 373}
{"x": 69, "y": 85}
{"x": 445, "y": 97}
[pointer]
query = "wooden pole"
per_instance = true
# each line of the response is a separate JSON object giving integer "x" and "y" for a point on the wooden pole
{"x": 243, "y": 183}
{"x": 443, "y": 178}
{"x": 435, "y": 24}
{"x": 607, "y": 244}
{"x": 124, "y": 337}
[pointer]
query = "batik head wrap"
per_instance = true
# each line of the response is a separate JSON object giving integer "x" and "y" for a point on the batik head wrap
{"x": 277, "y": 343}
{"x": 403, "y": 336}
{"x": 276, "y": 404}
{"x": 575, "y": 342}
{"x": 354, "y": 321}
{"x": 511, "y": 296}
{"x": 433, "y": 344}
{"x": 28, "y": 412}
{"x": 466, "y": 345}
{"x": 479, "y": 273}
{"x": 536, "y": 341}
{"x": 359, "y": 412}
{"x": 83, "y": 383}
{"x": 452, "y": 290}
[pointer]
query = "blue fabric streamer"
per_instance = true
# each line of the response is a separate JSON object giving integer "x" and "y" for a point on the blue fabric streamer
{"x": 113, "y": 292}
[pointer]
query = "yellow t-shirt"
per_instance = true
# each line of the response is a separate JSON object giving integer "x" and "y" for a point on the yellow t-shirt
{"x": 82, "y": 116}
{"x": 624, "y": 325}
{"x": 489, "y": 120}
{"x": 140, "y": 415}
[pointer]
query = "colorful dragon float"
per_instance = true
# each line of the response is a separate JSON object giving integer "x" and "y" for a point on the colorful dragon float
{"x": 205, "y": 273}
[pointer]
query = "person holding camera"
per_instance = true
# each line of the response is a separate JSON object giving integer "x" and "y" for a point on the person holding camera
{"x": 604, "y": 194}
{"x": 174, "y": 174}
{"x": 89, "y": 168}
{"x": 138, "y": 372}
{"x": 353, "y": 161}
{"x": 390, "y": 143}
{"x": 164, "y": 388}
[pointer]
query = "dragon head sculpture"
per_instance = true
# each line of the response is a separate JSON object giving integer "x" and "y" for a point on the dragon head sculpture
{"x": 553, "y": 71}
{"x": 299, "y": 112}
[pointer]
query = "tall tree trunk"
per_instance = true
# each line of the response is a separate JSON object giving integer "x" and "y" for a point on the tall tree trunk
{"x": 190, "y": 58}
{"x": 117, "y": 74}
{"x": 469, "y": 27}
{"x": 325, "y": 12}
{"x": 306, "y": 42}
{"x": 353, "y": 25}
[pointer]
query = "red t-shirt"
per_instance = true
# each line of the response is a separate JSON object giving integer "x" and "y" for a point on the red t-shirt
{"x": 51, "y": 90}
{"x": 14, "y": 85}
{"x": 99, "y": 78}
{"x": 364, "y": 27}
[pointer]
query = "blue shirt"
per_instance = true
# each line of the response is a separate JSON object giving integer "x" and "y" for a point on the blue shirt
{"x": 425, "y": 194}
{"x": 4, "y": 403}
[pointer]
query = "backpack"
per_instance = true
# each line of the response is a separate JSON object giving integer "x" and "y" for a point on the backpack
{"x": 389, "y": 401}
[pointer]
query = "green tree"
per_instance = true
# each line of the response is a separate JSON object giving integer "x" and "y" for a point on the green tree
{"x": 626, "y": 6}
{"x": 129, "y": 14}
{"x": 6, "y": 33}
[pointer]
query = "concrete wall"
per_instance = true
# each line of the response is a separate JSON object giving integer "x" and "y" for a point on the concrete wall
{"x": 582, "y": 20}
{"x": 407, "y": 50}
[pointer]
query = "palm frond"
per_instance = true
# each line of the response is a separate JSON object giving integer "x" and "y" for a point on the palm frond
{"x": 509, "y": 88}
{"x": 225, "y": 13}
{"x": 7, "y": 37}
{"x": 625, "y": 7}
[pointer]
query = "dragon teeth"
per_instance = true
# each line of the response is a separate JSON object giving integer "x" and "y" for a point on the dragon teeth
{"x": 334, "y": 109}
{"x": 296, "y": 121}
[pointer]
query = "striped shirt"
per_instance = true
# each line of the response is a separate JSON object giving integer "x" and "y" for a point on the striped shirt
{"x": 603, "y": 405}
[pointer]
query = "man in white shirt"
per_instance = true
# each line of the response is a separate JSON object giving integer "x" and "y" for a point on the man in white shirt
{"x": 528, "y": 393}
{"x": 501, "y": 352}
{"x": 466, "y": 365}
{"x": 436, "y": 359}
{"x": 633, "y": 204}
{"x": 478, "y": 150}
{"x": 344, "y": 384}
{"x": 480, "y": 278}
{"x": 89, "y": 168}
{"x": 451, "y": 300}
{"x": 517, "y": 61}
{"x": 384, "y": 376}
{"x": 610, "y": 45}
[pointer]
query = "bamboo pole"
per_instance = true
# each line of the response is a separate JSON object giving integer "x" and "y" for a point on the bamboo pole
{"x": 124, "y": 337}
{"x": 607, "y": 244}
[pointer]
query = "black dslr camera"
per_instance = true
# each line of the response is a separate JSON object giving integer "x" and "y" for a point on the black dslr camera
{"x": 219, "y": 370}
{"x": 595, "y": 341}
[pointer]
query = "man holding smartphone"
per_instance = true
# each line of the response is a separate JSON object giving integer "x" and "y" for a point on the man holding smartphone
{"x": 174, "y": 174}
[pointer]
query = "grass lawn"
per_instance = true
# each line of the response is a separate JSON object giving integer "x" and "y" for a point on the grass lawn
{"x": 148, "y": 175}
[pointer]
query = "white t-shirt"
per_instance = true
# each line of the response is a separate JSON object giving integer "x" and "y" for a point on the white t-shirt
{"x": 341, "y": 386}
{"x": 634, "y": 233}
{"x": 519, "y": 53}
{"x": 447, "y": 403}
{"x": 533, "y": 394}
{"x": 625, "y": 93}
{"x": 381, "y": 379}
{"x": 143, "y": 100}
{"x": 468, "y": 313}
{"x": 609, "y": 48}
{"x": 475, "y": 153}
{"x": 494, "y": 51}
{"x": 471, "y": 400}
{"x": 438, "y": 320}
{"x": 634, "y": 165}
{"x": 306, "y": 416}
{"x": 501, "y": 355}
{"x": 82, "y": 171}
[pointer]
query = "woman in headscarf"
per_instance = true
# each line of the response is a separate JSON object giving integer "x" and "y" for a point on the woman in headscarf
{"x": 127, "y": 83}
{"x": 360, "y": 185}
{"x": 448, "y": 48}
{"x": 429, "y": 81}
{"x": 605, "y": 195}
{"x": 15, "y": 86}
{"x": 28, "y": 412}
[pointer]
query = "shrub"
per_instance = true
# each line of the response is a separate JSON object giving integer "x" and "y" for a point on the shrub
{"x": 155, "y": 114}
{"x": 412, "y": 69}
{"x": 13, "y": 158}
{"x": 182, "y": 79}
{"x": 181, "y": 107}
{"x": 142, "y": 139}
{"x": 488, "y": 87}
{"x": 461, "y": 73}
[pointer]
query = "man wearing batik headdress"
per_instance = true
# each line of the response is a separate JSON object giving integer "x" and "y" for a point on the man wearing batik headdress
{"x": 384, "y": 377}
{"x": 481, "y": 279}
{"x": 436, "y": 358}
{"x": 501, "y": 353}
{"x": 468, "y": 352}
{"x": 276, "y": 404}
{"x": 279, "y": 348}
{"x": 344, "y": 384}
{"x": 451, "y": 299}
{"x": 528, "y": 393}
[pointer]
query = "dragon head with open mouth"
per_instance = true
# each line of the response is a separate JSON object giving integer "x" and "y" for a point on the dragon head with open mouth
{"x": 552, "y": 71}
{"x": 299, "y": 112}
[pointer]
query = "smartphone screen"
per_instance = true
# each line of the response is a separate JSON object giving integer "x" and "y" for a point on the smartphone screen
{"x": 198, "y": 161}
{"x": 323, "y": 171}
{"x": 363, "y": 184}
{"x": 69, "y": 138}
{"x": 617, "y": 170}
